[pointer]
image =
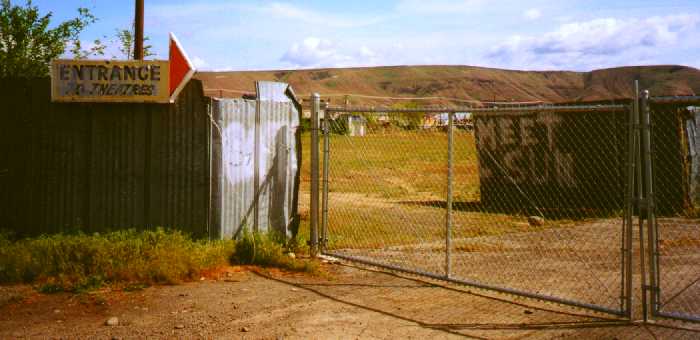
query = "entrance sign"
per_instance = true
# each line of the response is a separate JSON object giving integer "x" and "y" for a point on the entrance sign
{"x": 110, "y": 81}
{"x": 133, "y": 81}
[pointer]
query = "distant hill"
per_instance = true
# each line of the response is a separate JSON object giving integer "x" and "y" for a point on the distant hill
{"x": 463, "y": 82}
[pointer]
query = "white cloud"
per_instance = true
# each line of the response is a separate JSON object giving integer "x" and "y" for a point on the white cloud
{"x": 440, "y": 6}
{"x": 194, "y": 8}
{"x": 199, "y": 63}
{"x": 280, "y": 10}
{"x": 314, "y": 52}
{"x": 366, "y": 52}
{"x": 271, "y": 34}
{"x": 289, "y": 11}
{"x": 597, "y": 43}
{"x": 532, "y": 14}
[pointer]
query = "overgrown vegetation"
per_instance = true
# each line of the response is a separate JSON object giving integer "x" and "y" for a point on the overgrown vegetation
{"x": 27, "y": 44}
{"x": 82, "y": 262}
{"x": 267, "y": 251}
{"x": 133, "y": 259}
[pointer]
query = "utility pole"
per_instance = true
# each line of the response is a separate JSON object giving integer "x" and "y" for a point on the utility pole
{"x": 138, "y": 23}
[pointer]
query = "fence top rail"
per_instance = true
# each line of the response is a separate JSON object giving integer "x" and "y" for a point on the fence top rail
{"x": 482, "y": 110}
{"x": 687, "y": 100}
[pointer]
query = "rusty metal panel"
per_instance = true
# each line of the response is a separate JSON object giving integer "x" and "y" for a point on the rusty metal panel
{"x": 117, "y": 137}
{"x": 96, "y": 167}
{"x": 6, "y": 157}
{"x": 279, "y": 163}
{"x": 179, "y": 172}
{"x": 45, "y": 154}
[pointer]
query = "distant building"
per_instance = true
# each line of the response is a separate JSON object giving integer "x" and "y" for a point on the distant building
{"x": 351, "y": 124}
{"x": 306, "y": 107}
{"x": 439, "y": 120}
{"x": 382, "y": 117}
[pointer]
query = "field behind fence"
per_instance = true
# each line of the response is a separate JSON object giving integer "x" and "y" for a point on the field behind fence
{"x": 530, "y": 201}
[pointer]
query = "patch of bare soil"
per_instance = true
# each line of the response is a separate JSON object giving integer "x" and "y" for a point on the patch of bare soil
{"x": 347, "y": 303}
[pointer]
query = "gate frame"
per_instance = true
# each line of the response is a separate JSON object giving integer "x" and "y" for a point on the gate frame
{"x": 318, "y": 240}
{"x": 654, "y": 288}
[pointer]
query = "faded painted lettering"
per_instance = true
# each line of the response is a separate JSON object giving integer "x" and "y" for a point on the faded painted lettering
{"x": 118, "y": 81}
{"x": 523, "y": 148}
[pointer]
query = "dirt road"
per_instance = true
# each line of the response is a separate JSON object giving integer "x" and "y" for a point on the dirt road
{"x": 346, "y": 303}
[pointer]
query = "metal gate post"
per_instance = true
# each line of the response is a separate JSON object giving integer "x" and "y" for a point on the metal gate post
{"x": 448, "y": 212}
{"x": 313, "y": 215}
{"x": 256, "y": 163}
{"x": 650, "y": 204}
{"x": 326, "y": 165}
{"x": 640, "y": 204}
{"x": 626, "y": 298}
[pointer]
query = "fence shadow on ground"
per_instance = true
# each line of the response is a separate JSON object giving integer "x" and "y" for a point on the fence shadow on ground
{"x": 442, "y": 315}
{"x": 549, "y": 213}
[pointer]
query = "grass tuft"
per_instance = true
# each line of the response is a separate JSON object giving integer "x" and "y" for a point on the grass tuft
{"x": 83, "y": 262}
{"x": 267, "y": 251}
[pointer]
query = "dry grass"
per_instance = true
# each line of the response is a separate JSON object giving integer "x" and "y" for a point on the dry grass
{"x": 399, "y": 164}
{"x": 388, "y": 189}
{"x": 132, "y": 259}
{"x": 267, "y": 251}
{"x": 83, "y": 262}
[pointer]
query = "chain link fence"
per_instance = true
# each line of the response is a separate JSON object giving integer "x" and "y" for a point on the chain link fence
{"x": 592, "y": 206}
{"x": 675, "y": 250}
{"x": 525, "y": 200}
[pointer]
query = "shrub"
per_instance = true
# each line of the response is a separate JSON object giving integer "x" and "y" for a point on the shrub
{"x": 83, "y": 262}
{"x": 80, "y": 262}
{"x": 268, "y": 251}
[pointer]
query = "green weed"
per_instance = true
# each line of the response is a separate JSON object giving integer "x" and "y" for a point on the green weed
{"x": 267, "y": 251}
{"x": 83, "y": 262}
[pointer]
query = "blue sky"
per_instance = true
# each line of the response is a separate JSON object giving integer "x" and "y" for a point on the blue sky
{"x": 531, "y": 35}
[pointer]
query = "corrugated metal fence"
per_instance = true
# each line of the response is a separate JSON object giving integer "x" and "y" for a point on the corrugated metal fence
{"x": 96, "y": 167}
{"x": 269, "y": 128}
{"x": 99, "y": 167}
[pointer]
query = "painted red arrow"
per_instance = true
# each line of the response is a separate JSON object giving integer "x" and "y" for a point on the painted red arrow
{"x": 181, "y": 68}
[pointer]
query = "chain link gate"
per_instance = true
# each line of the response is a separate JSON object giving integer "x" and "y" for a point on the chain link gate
{"x": 673, "y": 221}
{"x": 536, "y": 201}
{"x": 523, "y": 200}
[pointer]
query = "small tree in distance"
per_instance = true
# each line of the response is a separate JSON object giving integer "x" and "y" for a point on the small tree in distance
{"x": 125, "y": 42}
{"x": 407, "y": 120}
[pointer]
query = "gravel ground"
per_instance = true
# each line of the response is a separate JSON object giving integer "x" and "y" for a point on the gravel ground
{"x": 346, "y": 302}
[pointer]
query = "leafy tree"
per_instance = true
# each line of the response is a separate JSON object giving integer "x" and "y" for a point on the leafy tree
{"x": 125, "y": 42}
{"x": 27, "y": 44}
{"x": 97, "y": 48}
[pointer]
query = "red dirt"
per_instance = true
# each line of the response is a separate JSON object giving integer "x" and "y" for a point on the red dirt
{"x": 348, "y": 302}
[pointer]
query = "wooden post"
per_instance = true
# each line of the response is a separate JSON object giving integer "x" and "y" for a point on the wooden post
{"x": 138, "y": 34}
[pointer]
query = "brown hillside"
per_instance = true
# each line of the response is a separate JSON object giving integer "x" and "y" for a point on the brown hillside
{"x": 464, "y": 82}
